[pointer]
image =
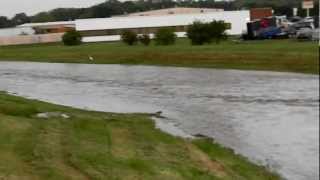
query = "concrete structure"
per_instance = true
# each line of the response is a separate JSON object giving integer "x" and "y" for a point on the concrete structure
{"x": 174, "y": 11}
{"x": 31, "y": 39}
{"x": 17, "y": 31}
{"x": 109, "y": 29}
{"x": 35, "y": 33}
{"x": 50, "y": 27}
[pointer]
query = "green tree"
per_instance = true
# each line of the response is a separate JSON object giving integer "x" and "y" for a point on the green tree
{"x": 129, "y": 37}
{"x": 5, "y": 22}
{"x": 43, "y": 17}
{"x": 20, "y": 18}
{"x": 72, "y": 38}
{"x": 144, "y": 39}
{"x": 199, "y": 33}
{"x": 66, "y": 14}
{"x": 165, "y": 36}
{"x": 217, "y": 30}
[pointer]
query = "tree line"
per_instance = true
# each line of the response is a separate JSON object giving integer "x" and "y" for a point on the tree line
{"x": 115, "y": 7}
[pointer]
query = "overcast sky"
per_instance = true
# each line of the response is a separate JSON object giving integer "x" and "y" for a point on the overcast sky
{"x": 12, "y": 7}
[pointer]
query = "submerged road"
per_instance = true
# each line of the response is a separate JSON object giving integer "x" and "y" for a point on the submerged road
{"x": 269, "y": 117}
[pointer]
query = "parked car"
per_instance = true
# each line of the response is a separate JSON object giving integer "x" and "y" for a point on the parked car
{"x": 269, "y": 33}
{"x": 305, "y": 33}
{"x": 302, "y": 27}
{"x": 315, "y": 34}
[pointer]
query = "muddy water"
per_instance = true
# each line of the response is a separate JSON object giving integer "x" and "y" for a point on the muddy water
{"x": 271, "y": 118}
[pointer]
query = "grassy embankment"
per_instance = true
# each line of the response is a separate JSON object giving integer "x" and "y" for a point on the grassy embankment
{"x": 274, "y": 55}
{"x": 96, "y": 145}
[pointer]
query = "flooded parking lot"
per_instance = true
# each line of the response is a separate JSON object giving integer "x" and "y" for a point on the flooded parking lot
{"x": 269, "y": 117}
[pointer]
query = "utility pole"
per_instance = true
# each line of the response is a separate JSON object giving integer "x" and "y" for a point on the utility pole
{"x": 295, "y": 11}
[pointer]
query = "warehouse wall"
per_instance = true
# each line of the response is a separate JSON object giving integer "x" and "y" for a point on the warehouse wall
{"x": 118, "y": 37}
{"x": 31, "y": 39}
{"x": 16, "y": 31}
{"x": 101, "y": 29}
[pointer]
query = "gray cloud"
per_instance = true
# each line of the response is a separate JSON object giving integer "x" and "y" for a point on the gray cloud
{"x": 11, "y": 7}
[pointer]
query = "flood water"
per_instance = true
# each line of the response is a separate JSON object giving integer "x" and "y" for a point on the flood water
{"x": 271, "y": 118}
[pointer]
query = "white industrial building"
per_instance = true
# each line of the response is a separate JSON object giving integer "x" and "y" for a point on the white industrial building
{"x": 50, "y": 27}
{"x": 109, "y": 29}
{"x": 17, "y": 31}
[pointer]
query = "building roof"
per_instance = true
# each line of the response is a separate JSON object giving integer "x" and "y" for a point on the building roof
{"x": 159, "y": 21}
{"x": 50, "y": 24}
{"x": 174, "y": 11}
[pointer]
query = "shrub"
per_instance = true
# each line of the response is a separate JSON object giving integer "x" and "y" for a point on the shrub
{"x": 200, "y": 33}
{"x": 145, "y": 39}
{"x": 129, "y": 37}
{"x": 165, "y": 36}
{"x": 218, "y": 31}
{"x": 71, "y": 38}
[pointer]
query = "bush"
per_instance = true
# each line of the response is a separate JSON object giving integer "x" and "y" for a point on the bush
{"x": 218, "y": 31}
{"x": 145, "y": 39}
{"x": 200, "y": 33}
{"x": 165, "y": 36}
{"x": 71, "y": 38}
{"x": 129, "y": 37}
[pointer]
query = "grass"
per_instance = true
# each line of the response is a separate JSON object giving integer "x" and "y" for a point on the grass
{"x": 273, "y": 55}
{"x": 96, "y": 145}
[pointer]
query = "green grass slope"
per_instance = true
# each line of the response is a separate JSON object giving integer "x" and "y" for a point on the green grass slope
{"x": 96, "y": 145}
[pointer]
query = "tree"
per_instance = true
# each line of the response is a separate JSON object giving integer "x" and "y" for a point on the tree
{"x": 130, "y": 7}
{"x": 20, "y": 18}
{"x": 129, "y": 37}
{"x": 5, "y": 22}
{"x": 199, "y": 33}
{"x": 72, "y": 38}
{"x": 43, "y": 17}
{"x": 165, "y": 36}
{"x": 144, "y": 39}
{"x": 217, "y": 30}
{"x": 107, "y": 9}
{"x": 66, "y": 14}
